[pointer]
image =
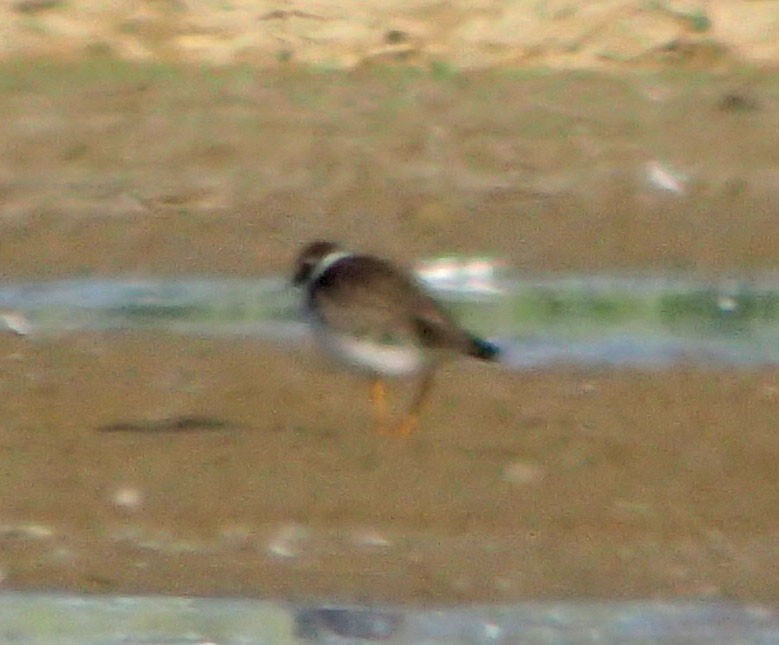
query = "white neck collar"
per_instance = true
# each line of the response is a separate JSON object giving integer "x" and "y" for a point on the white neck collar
{"x": 326, "y": 262}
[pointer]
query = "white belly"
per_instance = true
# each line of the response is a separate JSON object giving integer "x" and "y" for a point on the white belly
{"x": 386, "y": 360}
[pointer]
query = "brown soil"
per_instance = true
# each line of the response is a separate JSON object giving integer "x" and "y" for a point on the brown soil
{"x": 520, "y": 485}
{"x": 543, "y": 485}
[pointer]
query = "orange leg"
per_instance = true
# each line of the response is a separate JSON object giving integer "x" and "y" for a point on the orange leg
{"x": 411, "y": 421}
{"x": 379, "y": 401}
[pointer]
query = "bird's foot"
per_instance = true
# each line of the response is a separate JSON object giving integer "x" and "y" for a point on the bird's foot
{"x": 408, "y": 427}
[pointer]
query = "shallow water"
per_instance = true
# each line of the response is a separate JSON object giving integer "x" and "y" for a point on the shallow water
{"x": 43, "y": 619}
{"x": 636, "y": 321}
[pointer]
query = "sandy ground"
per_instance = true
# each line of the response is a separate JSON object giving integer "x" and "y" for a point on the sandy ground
{"x": 464, "y": 34}
{"x": 549, "y": 484}
{"x": 544, "y": 485}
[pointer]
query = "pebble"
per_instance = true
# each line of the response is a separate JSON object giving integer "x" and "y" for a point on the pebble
{"x": 369, "y": 538}
{"x": 523, "y": 472}
{"x": 16, "y": 322}
{"x": 287, "y": 541}
{"x": 26, "y": 531}
{"x": 127, "y": 498}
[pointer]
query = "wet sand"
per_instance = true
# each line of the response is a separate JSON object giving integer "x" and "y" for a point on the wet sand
{"x": 558, "y": 484}
{"x": 551, "y": 484}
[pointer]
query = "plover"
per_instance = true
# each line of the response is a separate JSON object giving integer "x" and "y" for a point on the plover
{"x": 378, "y": 319}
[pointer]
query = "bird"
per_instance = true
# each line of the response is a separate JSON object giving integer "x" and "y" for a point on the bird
{"x": 378, "y": 319}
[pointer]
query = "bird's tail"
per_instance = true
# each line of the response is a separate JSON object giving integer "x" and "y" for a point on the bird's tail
{"x": 483, "y": 349}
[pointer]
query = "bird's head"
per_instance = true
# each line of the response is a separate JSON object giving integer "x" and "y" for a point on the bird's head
{"x": 310, "y": 258}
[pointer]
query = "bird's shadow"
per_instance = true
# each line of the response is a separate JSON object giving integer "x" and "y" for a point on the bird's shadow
{"x": 177, "y": 424}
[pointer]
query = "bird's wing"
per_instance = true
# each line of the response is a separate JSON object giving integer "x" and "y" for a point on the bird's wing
{"x": 436, "y": 328}
{"x": 375, "y": 300}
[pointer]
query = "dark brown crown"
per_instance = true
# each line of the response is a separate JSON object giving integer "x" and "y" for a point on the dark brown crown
{"x": 309, "y": 259}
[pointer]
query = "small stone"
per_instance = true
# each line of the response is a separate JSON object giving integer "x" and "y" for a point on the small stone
{"x": 287, "y": 541}
{"x": 664, "y": 178}
{"x": 523, "y": 472}
{"x": 127, "y": 498}
{"x": 26, "y": 532}
{"x": 727, "y": 303}
{"x": 369, "y": 538}
{"x": 16, "y": 322}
